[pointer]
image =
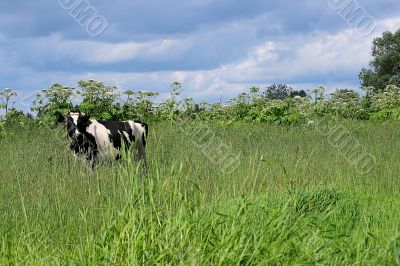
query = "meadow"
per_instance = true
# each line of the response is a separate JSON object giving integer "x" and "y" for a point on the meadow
{"x": 293, "y": 199}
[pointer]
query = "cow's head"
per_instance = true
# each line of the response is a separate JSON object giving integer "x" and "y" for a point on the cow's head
{"x": 72, "y": 125}
{"x": 76, "y": 125}
{"x": 83, "y": 122}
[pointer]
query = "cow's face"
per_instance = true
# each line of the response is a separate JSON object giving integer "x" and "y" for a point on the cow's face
{"x": 83, "y": 123}
{"x": 76, "y": 125}
{"x": 72, "y": 129}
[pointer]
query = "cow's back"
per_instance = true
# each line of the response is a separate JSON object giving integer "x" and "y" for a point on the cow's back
{"x": 111, "y": 136}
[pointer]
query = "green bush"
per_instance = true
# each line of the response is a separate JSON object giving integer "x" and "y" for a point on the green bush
{"x": 104, "y": 102}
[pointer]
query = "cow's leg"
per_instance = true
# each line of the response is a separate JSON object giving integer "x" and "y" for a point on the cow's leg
{"x": 93, "y": 164}
{"x": 90, "y": 153}
{"x": 140, "y": 157}
{"x": 140, "y": 153}
{"x": 92, "y": 160}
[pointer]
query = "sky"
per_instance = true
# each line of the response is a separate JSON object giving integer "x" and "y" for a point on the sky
{"x": 215, "y": 48}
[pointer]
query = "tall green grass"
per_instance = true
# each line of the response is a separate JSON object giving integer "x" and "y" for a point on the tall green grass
{"x": 293, "y": 199}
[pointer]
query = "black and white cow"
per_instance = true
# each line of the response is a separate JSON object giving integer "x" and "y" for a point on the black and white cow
{"x": 98, "y": 139}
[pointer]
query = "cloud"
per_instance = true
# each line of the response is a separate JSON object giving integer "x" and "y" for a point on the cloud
{"x": 215, "y": 48}
{"x": 307, "y": 61}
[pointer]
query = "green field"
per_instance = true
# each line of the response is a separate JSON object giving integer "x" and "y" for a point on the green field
{"x": 293, "y": 199}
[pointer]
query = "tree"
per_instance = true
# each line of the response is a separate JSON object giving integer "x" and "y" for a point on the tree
{"x": 129, "y": 93}
{"x": 300, "y": 93}
{"x": 98, "y": 99}
{"x": 277, "y": 92}
{"x": 172, "y": 103}
{"x": 345, "y": 103}
{"x": 176, "y": 88}
{"x": 254, "y": 91}
{"x": 6, "y": 96}
{"x": 319, "y": 93}
{"x": 389, "y": 98}
{"x": 344, "y": 95}
{"x": 57, "y": 99}
{"x": 385, "y": 66}
{"x": 144, "y": 105}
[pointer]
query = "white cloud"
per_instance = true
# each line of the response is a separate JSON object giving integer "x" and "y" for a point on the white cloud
{"x": 299, "y": 60}
{"x": 56, "y": 48}
{"x": 266, "y": 52}
{"x": 390, "y": 24}
{"x": 111, "y": 53}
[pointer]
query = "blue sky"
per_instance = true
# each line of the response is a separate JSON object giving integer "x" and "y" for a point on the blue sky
{"x": 216, "y": 48}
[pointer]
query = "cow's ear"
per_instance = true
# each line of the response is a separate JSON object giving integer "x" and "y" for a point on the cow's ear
{"x": 60, "y": 117}
{"x": 85, "y": 118}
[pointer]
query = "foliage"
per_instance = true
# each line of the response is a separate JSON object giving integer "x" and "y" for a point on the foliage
{"x": 277, "y": 104}
{"x": 98, "y": 100}
{"x": 169, "y": 108}
{"x": 16, "y": 119}
{"x": 385, "y": 105}
{"x": 319, "y": 94}
{"x": 5, "y": 97}
{"x": 139, "y": 105}
{"x": 346, "y": 103}
{"x": 385, "y": 66}
{"x": 277, "y": 92}
{"x": 55, "y": 99}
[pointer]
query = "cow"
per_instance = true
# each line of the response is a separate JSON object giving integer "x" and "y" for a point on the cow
{"x": 100, "y": 139}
